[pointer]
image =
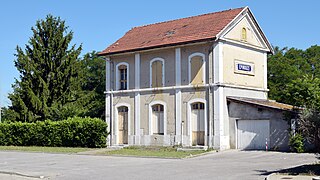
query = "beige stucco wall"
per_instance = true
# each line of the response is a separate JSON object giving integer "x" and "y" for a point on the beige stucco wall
{"x": 185, "y": 53}
{"x": 186, "y": 96}
{"x": 164, "y": 96}
{"x": 124, "y": 99}
{"x": 236, "y": 33}
{"x": 169, "y": 63}
{"x": 146, "y": 98}
{"x": 232, "y": 53}
{"x": 169, "y": 60}
{"x": 128, "y": 59}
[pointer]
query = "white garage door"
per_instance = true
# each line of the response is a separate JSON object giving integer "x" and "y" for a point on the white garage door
{"x": 252, "y": 134}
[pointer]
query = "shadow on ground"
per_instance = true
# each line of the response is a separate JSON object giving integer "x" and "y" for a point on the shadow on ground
{"x": 308, "y": 169}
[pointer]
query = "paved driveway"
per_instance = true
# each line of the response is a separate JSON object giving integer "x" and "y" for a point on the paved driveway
{"x": 231, "y": 164}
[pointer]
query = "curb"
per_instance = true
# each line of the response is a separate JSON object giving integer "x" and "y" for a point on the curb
{"x": 147, "y": 157}
{"x": 22, "y": 175}
{"x": 202, "y": 154}
{"x": 298, "y": 177}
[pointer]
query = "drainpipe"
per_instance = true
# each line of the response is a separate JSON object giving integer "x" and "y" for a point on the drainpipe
{"x": 182, "y": 123}
{"x": 111, "y": 117}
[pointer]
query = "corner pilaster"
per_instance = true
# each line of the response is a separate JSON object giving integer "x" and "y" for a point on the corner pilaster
{"x": 265, "y": 71}
{"x": 219, "y": 101}
{"x": 108, "y": 102}
{"x": 137, "y": 99}
{"x": 178, "y": 96}
{"x": 210, "y": 106}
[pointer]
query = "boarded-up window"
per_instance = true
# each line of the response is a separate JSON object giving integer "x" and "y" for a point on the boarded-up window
{"x": 158, "y": 119}
{"x": 196, "y": 64}
{"x": 157, "y": 74}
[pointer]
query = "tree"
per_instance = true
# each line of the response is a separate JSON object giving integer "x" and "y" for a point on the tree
{"x": 49, "y": 71}
{"x": 309, "y": 126}
{"x": 294, "y": 78}
{"x": 303, "y": 92}
{"x": 291, "y": 71}
{"x": 90, "y": 97}
{"x": 6, "y": 114}
{"x": 93, "y": 84}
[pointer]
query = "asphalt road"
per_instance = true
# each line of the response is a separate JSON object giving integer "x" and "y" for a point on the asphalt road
{"x": 231, "y": 164}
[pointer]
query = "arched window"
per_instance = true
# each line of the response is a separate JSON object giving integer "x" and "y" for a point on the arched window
{"x": 158, "y": 119}
{"x": 197, "y": 69}
{"x": 157, "y": 73}
{"x": 244, "y": 34}
{"x": 122, "y": 70}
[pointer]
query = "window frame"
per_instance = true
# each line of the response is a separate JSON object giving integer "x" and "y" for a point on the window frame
{"x": 114, "y": 134}
{"x": 163, "y": 71}
{"x": 158, "y": 108}
{"x": 164, "y": 116}
{"x": 118, "y": 76}
{"x": 244, "y": 34}
{"x": 203, "y": 66}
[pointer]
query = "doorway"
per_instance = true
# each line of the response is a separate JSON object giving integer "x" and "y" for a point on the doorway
{"x": 123, "y": 125}
{"x": 197, "y": 124}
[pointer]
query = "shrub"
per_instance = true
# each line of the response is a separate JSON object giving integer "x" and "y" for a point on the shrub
{"x": 73, "y": 132}
{"x": 296, "y": 143}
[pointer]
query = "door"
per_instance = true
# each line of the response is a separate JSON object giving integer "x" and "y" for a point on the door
{"x": 158, "y": 119}
{"x": 123, "y": 125}
{"x": 197, "y": 120}
{"x": 252, "y": 134}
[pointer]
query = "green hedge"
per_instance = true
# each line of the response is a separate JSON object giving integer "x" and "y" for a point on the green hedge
{"x": 73, "y": 132}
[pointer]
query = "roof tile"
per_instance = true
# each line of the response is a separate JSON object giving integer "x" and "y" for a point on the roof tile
{"x": 264, "y": 103}
{"x": 183, "y": 30}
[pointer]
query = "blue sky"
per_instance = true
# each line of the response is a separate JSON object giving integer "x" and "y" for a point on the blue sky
{"x": 98, "y": 23}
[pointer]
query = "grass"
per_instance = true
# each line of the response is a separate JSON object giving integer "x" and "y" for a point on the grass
{"x": 149, "y": 151}
{"x": 44, "y": 149}
{"x": 139, "y": 151}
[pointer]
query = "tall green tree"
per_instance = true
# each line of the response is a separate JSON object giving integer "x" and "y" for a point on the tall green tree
{"x": 93, "y": 85}
{"x": 6, "y": 115}
{"x": 49, "y": 73}
{"x": 293, "y": 75}
{"x": 294, "y": 78}
{"x": 90, "y": 99}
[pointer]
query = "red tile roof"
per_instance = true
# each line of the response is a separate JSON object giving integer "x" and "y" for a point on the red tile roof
{"x": 191, "y": 29}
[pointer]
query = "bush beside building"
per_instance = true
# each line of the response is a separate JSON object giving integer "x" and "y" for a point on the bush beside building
{"x": 73, "y": 132}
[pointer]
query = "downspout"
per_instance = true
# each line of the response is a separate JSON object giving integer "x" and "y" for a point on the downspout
{"x": 111, "y": 117}
{"x": 108, "y": 101}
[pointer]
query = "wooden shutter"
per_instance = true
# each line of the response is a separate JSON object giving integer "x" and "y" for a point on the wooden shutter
{"x": 196, "y": 70}
{"x": 157, "y": 74}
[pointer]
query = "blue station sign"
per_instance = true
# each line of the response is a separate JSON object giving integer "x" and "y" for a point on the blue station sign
{"x": 244, "y": 67}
